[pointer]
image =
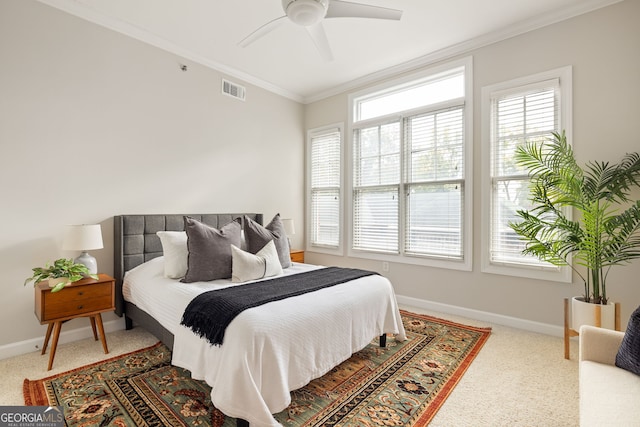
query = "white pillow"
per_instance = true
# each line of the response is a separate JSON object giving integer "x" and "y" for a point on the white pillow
{"x": 174, "y": 247}
{"x": 246, "y": 266}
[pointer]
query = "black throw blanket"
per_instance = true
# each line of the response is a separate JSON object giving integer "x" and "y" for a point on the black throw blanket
{"x": 209, "y": 314}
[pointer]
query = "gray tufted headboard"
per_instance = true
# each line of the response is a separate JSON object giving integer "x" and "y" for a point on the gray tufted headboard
{"x": 135, "y": 239}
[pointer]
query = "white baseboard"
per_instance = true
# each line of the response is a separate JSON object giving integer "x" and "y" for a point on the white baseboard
{"x": 485, "y": 316}
{"x": 27, "y": 346}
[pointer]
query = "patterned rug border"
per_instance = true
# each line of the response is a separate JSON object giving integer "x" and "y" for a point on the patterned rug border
{"x": 448, "y": 387}
{"x": 34, "y": 391}
{"x": 481, "y": 329}
{"x": 36, "y": 387}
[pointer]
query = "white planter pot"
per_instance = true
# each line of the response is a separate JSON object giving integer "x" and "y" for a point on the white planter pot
{"x": 583, "y": 313}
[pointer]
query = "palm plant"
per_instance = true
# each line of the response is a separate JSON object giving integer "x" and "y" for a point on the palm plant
{"x": 603, "y": 235}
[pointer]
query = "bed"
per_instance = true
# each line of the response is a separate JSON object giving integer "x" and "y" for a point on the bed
{"x": 268, "y": 350}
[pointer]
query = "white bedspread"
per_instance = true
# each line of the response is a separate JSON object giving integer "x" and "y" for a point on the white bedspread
{"x": 271, "y": 349}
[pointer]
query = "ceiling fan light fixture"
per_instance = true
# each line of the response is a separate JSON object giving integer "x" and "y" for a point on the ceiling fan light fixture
{"x": 305, "y": 12}
{"x": 310, "y": 13}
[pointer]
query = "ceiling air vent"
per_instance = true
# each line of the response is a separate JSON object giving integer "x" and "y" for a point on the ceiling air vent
{"x": 233, "y": 90}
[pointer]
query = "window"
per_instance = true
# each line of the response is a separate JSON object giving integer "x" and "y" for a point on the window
{"x": 516, "y": 112}
{"x": 410, "y": 183}
{"x": 324, "y": 160}
{"x": 376, "y": 189}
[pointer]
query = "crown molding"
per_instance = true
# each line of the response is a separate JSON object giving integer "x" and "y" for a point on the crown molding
{"x": 465, "y": 47}
{"x": 81, "y": 10}
{"x": 84, "y": 12}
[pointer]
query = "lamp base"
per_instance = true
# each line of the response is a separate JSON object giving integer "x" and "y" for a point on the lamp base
{"x": 88, "y": 261}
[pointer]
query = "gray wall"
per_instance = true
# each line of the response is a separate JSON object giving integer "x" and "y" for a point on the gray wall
{"x": 94, "y": 124}
{"x": 604, "y": 49}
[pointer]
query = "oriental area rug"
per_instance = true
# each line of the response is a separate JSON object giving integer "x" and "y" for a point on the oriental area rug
{"x": 402, "y": 384}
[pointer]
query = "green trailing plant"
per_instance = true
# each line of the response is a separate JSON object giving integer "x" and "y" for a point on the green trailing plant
{"x": 607, "y": 229}
{"x": 60, "y": 268}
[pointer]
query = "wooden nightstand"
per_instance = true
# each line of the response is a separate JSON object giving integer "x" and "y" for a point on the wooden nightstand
{"x": 84, "y": 298}
{"x": 297, "y": 255}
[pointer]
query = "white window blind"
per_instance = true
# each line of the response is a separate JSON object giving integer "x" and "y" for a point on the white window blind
{"x": 325, "y": 179}
{"x": 520, "y": 115}
{"x": 409, "y": 150}
{"x": 376, "y": 186}
{"x": 435, "y": 183}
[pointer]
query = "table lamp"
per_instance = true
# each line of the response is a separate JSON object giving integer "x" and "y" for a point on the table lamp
{"x": 84, "y": 238}
{"x": 289, "y": 229}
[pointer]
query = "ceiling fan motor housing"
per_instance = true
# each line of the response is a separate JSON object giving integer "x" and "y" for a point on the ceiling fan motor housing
{"x": 305, "y": 12}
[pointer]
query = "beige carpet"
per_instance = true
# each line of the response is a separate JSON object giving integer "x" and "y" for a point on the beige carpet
{"x": 518, "y": 379}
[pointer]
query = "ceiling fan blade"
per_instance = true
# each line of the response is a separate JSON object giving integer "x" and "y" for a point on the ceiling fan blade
{"x": 345, "y": 9}
{"x": 265, "y": 29}
{"x": 319, "y": 38}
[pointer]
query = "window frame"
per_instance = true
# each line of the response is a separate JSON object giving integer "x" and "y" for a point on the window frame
{"x": 466, "y": 263}
{"x": 519, "y": 85}
{"x": 310, "y": 246}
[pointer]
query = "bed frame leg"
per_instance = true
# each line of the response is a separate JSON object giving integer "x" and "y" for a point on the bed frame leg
{"x": 128, "y": 323}
{"x": 242, "y": 423}
{"x": 383, "y": 340}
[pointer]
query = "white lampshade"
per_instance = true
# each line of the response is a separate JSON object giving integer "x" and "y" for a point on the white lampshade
{"x": 289, "y": 227}
{"x": 84, "y": 238}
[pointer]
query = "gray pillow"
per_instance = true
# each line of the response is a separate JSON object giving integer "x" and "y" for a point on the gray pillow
{"x": 257, "y": 236}
{"x": 628, "y": 356}
{"x": 209, "y": 250}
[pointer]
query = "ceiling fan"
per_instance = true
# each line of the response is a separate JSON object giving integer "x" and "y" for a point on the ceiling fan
{"x": 310, "y": 13}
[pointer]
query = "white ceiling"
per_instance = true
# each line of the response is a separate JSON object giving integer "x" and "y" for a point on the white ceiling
{"x": 285, "y": 60}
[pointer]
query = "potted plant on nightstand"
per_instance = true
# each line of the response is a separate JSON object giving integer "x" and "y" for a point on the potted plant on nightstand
{"x": 607, "y": 230}
{"x": 61, "y": 273}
